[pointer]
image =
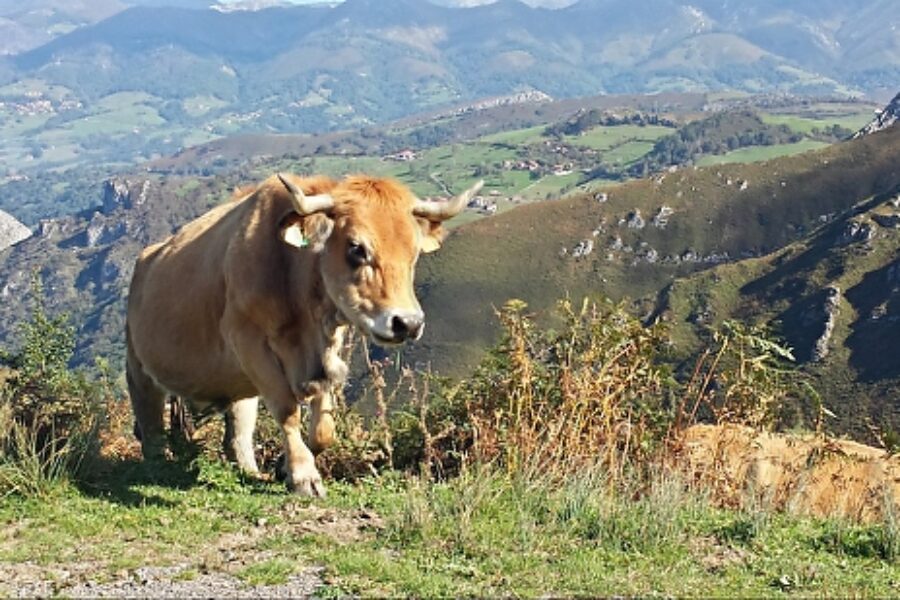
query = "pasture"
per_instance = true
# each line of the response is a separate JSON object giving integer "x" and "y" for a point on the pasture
{"x": 760, "y": 153}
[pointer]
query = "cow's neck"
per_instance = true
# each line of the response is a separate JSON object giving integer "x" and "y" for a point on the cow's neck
{"x": 319, "y": 315}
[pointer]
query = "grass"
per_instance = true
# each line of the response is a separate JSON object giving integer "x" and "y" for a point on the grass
{"x": 806, "y": 124}
{"x": 483, "y": 533}
{"x": 453, "y": 165}
{"x": 761, "y": 153}
{"x": 267, "y": 572}
{"x": 197, "y": 106}
{"x": 515, "y": 137}
{"x": 607, "y": 138}
{"x": 117, "y": 122}
{"x": 628, "y": 152}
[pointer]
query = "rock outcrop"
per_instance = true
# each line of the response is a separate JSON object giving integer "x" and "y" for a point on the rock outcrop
{"x": 886, "y": 118}
{"x": 121, "y": 193}
{"x": 856, "y": 232}
{"x": 11, "y": 231}
{"x": 830, "y": 309}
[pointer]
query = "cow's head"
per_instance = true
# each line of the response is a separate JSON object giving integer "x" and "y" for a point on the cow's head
{"x": 370, "y": 233}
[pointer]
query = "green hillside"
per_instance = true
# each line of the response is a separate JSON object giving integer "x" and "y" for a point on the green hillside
{"x": 833, "y": 297}
{"x": 622, "y": 240}
{"x": 709, "y": 220}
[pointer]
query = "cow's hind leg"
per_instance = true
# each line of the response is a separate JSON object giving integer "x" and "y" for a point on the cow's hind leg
{"x": 240, "y": 422}
{"x": 148, "y": 402}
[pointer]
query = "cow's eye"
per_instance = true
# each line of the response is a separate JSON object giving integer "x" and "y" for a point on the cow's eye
{"x": 357, "y": 255}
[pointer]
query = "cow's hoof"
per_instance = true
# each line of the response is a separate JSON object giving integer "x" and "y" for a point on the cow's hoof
{"x": 307, "y": 485}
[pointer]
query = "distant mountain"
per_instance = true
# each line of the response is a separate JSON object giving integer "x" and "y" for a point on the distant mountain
{"x": 150, "y": 80}
{"x": 27, "y": 25}
{"x": 435, "y": 54}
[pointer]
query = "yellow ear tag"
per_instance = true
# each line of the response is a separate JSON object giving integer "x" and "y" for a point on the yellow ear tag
{"x": 294, "y": 236}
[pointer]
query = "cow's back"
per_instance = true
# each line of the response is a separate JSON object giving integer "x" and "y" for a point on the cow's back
{"x": 175, "y": 305}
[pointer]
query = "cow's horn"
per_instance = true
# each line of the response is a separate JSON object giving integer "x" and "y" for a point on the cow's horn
{"x": 441, "y": 211}
{"x": 303, "y": 204}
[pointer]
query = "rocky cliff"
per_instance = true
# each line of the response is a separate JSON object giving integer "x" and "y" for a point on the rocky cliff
{"x": 884, "y": 119}
{"x": 11, "y": 231}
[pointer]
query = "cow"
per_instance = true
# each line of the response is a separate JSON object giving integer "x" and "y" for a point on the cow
{"x": 255, "y": 298}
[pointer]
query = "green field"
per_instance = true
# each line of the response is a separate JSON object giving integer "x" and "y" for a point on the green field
{"x": 456, "y": 166}
{"x": 88, "y": 135}
{"x": 197, "y": 106}
{"x": 482, "y": 534}
{"x": 515, "y": 137}
{"x": 552, "y": 185}
{"x": 807, "y": 123}
{"x": 608, "y": 138}
{"x": 761, "y": 153}
{"x": 35, "y": 86}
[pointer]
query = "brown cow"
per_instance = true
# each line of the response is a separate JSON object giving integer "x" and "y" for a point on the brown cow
{"x": 254, "y": 299}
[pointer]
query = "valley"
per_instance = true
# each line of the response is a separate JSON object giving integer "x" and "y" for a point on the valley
{"x": 583, "y": 223}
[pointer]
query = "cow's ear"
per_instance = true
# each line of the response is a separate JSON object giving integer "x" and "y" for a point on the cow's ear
{"x": 432, "y": 235}
{"x": 310, "y": 232}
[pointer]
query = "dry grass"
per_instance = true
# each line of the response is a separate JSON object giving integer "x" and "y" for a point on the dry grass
{"x": 803, "y": 474}
{"x": 586, "y": 394}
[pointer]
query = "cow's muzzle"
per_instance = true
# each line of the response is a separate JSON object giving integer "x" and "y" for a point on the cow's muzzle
{"x": 398, "y": 326}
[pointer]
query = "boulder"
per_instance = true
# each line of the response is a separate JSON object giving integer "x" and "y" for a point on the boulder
{"x": 11, "y": 231}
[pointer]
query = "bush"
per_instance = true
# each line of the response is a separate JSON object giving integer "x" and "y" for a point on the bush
{"x": 50, "y": 415}
{"x": 746, "y": 377}
{"x": 590, "y": 392}
{"x": 594, "y": 391}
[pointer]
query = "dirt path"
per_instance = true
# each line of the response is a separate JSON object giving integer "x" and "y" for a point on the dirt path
{"x": 28, "y": 580}
{"x": 212, "y": 572}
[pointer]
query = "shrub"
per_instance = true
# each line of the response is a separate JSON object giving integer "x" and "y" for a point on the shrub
{"x": 593, "y": 391}
{"x": 589, "y": 392}
{"x": 50, "y": 415}
{"x": 746, "y": 377}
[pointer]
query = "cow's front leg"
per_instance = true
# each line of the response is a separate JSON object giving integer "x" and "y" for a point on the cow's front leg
{"x": 302, "y": 477}
{"x": 321, "y": 418}
{"x": 267, "y": 375}
{"x": 321, "y": 402}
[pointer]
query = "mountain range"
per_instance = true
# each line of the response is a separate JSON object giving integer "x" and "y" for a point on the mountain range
{"x": 118, "y": 82}
{"x": 853, "y": 43}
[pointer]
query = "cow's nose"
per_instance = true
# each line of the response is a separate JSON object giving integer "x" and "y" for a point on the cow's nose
{"x": 408, "y": 326}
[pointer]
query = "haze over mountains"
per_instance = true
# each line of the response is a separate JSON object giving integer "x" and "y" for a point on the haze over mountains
{"x": 366, "y": 60}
